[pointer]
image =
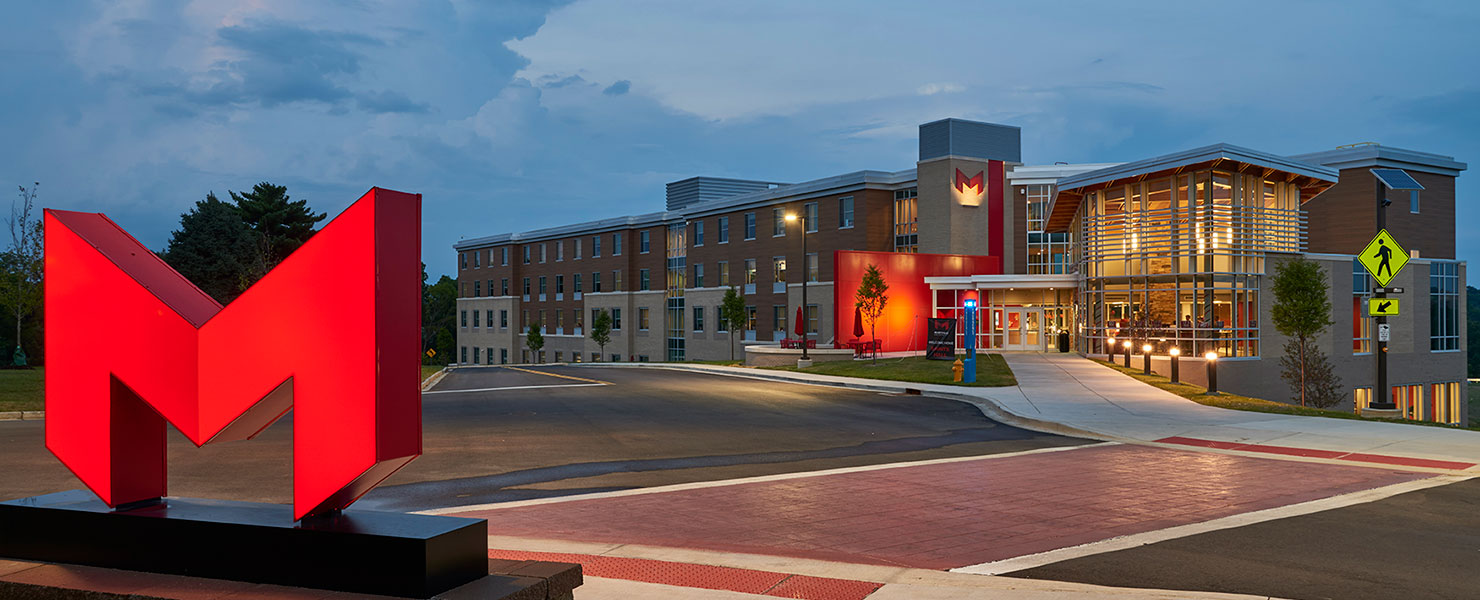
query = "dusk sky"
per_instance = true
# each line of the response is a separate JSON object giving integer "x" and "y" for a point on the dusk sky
{"x": 510, "y": 116}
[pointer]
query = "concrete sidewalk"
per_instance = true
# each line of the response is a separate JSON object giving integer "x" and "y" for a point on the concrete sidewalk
{"x": 1069, "y": 394}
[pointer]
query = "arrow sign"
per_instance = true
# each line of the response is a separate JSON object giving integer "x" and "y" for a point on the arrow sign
{"x": 1382, "y": 307}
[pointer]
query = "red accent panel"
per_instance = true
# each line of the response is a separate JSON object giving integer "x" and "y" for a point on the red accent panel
{"x": 997, "y": 225}
{"x": 160, "y": 350}
{"x": 902, "y": 326}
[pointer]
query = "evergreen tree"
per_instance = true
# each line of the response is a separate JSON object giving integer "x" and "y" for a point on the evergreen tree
{"x": 439, "y": 318}
{"x": 281, "y": 224}
{"x": 535, "y": 340}
{"x": 214, "y": 249}
{"x": 871, "y": 298}
{"x": 601, "y": 330}
{"x": 732, "y": 314}
{"x": 1301, "y": 311}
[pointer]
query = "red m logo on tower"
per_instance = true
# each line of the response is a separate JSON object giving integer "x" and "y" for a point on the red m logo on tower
{"x": 974, "y": 183}
{"x": 332, "y": 333}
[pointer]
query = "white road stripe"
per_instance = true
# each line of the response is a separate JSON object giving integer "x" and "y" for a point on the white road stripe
{"x": 1250, "y": 518}
{"x": 761, "y": 478}
{"x": 518, "y": 387}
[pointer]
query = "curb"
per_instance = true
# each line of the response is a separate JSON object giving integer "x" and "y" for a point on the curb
{"x": 436, "y": 378}
{"x": 23, "y": 415}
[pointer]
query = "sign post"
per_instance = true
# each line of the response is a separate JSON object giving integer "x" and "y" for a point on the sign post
{"x": 970, "y": 339}
{"x": 1384, "y": 258}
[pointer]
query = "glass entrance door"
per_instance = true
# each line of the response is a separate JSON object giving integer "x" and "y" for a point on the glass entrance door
{"x": 1022, "y": 329}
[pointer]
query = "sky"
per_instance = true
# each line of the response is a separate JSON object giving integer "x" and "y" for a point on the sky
{"x": 516, "y": 115}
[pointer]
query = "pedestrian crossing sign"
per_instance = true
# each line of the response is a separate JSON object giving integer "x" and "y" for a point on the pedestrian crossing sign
{"x": 1383, "y": 257}
{"x": 1382, "y": 307}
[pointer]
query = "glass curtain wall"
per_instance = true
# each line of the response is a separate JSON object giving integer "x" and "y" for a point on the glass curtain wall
{"x": 1176, "y": 260}
{"x": 677, "y": 255}
{"x": 906, "y": 221}
{"x": 1048, "y": 253}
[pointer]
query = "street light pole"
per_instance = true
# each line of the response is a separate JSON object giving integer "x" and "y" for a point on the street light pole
{"x": 803, "y": 221}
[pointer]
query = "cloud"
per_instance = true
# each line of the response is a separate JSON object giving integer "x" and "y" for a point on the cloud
{"x": 618, "y": 88}
{"x": 931, "y": 89}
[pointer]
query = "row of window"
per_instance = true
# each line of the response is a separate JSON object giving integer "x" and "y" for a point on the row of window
{"x": 779, "y": 317}
{"x": 540, "y": 285}
{"x": 749, "y": 274}
{"x": 479, "y": 355}
{"x": 1440, "y": 406}
{"x": 778, "y": 222}
{"x": 644, "y": 245}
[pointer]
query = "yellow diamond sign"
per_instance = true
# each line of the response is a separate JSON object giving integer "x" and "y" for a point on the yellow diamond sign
{"x": 1382, "y": 307}
{"x": 1383, "y": 257}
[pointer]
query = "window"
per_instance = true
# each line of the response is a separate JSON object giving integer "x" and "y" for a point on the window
{"x": 477, "y": 263}
{"x": 526, "y": 255}
{"x": 488, "y": 321}
{"x": 617, "y": 244}
{"x": 811, "y": 318}
{"x": 719, "y": 320}
{"x": 576, "y": 283}
{"x": 464, "y": 355}
{"x": 1361, "y": 323}
{"x": 698, "y": 233}
{"x": 643, "y": 280}
{"x": 1409, "y": 399}
{"x": 559, "y": 322}
{"x": 1444, "y": 326}
{"x": 524, "y": 321}
{"x": 526, "y": 288}
{"x": 642, "y": 358}
{"x": 698, "y": 275}
{"x": 643, "y": 242}
{"x": 543, "y": 287}
{"x": 778, "y": 222}
{"x": 809, "y": 212}
{"x": 504, "y": 256}
{"x": 595, "y": 357}
{"x": 559, "y": 253}
{"x": 778, "y": 267}
{"x": 778, "y": 316}
{"x": 478, "y": 288}
{"x": 750, "y": 318}
{"x": 475, "y": 326}
{"x": 596, "y": 246}
{"x": 724, "y": 230}
{"x": 578, "y": 249}
{"x": 724, "y": 273}
{"x": 503, "y": 286}
{"x": 750, "y": 271}
{"x": 616, "y": 358}
{"x": 812, "y": 267}
{"x": 642, "y": 319}
{"x": 503, "y": 319}
{"x": 559, "y": 356}
{"x": 544, "y": 322}
{"x": 1413, "y": 201}
{"x": 906, "y": 221}
{"x": 617, "y": 281}
{"x": 750, "y": 226}
{"x": 475, "y": 354}
{"x": 698, "y": 318}
{"x": 464, "y": 257}
{"x": 503, "y": 356}
{"x": 845, "y": 212}
{"x": 524, "y": 356}
{"x": 543, "y": 248}
{"x": 560, "y": 284}
{"x": 616, "y": 319}
{"x": 1446, "y": 399}
{"x": 488, "y": 354}
{"x": 464, "y": 317}
{"x": 596, "y": 282}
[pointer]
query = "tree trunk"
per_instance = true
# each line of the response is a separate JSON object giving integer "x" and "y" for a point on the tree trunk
{"x": 873, "y": 334}
{"x": 1302, "y": 371}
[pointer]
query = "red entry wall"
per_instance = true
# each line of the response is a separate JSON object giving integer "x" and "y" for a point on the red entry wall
{"x": 902, "y": 326}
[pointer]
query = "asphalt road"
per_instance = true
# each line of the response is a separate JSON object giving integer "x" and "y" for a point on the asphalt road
{"x": 1419, "y": 545}
{"x": 494, "y": 433}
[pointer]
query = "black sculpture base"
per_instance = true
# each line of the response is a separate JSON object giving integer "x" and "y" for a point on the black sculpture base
{"x": 386, "y": 553}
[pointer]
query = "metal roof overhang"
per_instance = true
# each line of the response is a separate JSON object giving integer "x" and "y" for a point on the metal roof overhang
{"x": 1312, "y": 179}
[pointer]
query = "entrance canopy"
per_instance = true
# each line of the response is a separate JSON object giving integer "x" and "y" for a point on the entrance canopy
{"x": 1003, "y": 282}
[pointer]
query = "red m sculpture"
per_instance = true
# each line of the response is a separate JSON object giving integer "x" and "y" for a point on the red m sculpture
{"x": 333, "y": 332}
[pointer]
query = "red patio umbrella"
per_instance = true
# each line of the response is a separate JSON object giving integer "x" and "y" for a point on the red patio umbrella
{"x": 801, "y": 328}
{"x": 857, "y": 322}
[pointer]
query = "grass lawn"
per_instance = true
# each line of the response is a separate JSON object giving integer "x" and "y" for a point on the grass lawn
{"x": 429, "y": 370}
{"x": 1235, "y": 402}
{"x": 22, "y": 389}
{"x": 991, "y": 370}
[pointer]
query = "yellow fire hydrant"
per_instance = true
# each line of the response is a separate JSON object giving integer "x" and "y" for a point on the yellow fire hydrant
{"x": 956, "y": 370}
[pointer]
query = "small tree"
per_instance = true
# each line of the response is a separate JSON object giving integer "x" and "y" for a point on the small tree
{"x": 870, "y": 299}
{"x": 1322, "y": 387}
{"x": 21, "y": 288}
{"x": 732, "y": 315}
{"x": 601, "y": 330}
{"x": 1301, "y": 311}
{"x": 535, "y": 340}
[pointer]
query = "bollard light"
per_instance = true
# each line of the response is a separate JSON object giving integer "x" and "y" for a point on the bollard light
{"x": 1212, "y": 358}
{"x": 1110, "y": 349}
{"x": 1146, "y": 359}
{"x": 1174, "y": 353}
{"x": 1127, "y": 345}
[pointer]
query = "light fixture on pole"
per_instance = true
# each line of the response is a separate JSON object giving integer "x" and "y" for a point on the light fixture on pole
{"x": 1146, "y": 359}
{"x": 1127, "y": 345}
{"x": 1175, "y": 352}
{"x": 1212, "y": 358}
{"x": 1110, "y": 349}
{"x": 793, "y": 217}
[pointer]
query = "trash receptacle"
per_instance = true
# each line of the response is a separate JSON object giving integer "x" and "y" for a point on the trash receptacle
{"x": 1063, "y": 341}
